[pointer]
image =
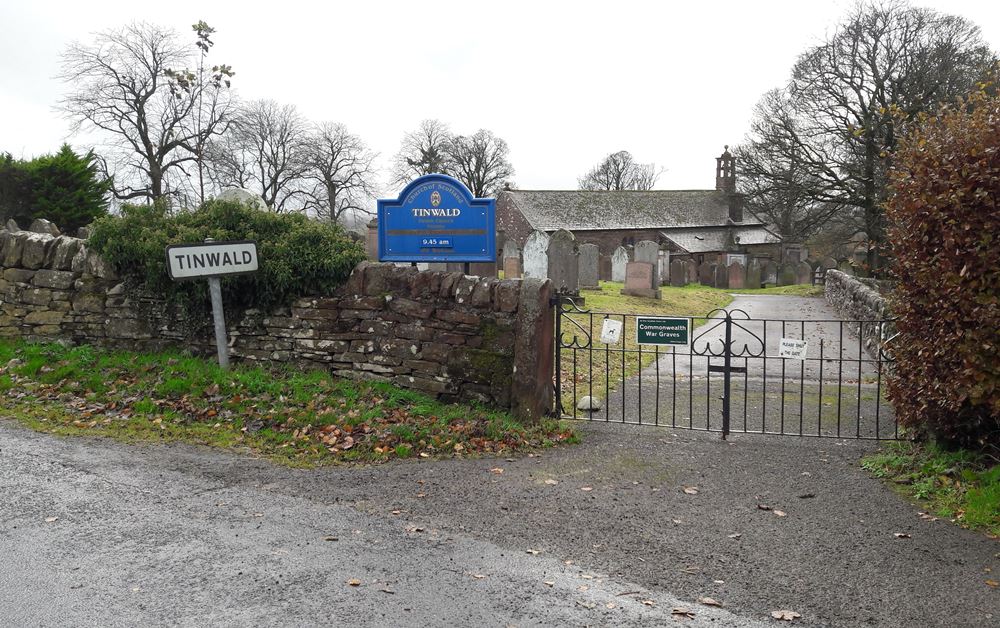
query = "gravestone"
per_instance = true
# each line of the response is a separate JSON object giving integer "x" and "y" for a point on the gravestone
{"x": 663, "y": 269}
{"x": 828, "y": 262}
{"x": 846, "y": 268}
{"x": 692, "y": 271}
{"x": 604, "y": 267}
{"x": 721, "y": 276}
{"x": 371, "y": 240}
{"x": 678, "y": 274}
{"x": 511, "y": 260}
{"x": 786, "y": 275}
{"x": 589, "y": 260}
{"x": 639, "y": 278}
{"x": 706, "y": 274}
{"x": 648, "y": 252}
{"x": 803, "y": 273}
{"x": 737, "y": 276}
{"x": 511, "y": 268}
{"x": 564, "y": 262}
{"x": 769, "y": 273}
{"x": 753, "y": 274}
{"x": 536, "y": 257}
{"x": 619, "y": 259}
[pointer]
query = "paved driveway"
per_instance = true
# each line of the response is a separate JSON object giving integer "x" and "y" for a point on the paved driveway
{"x": 181, "y": 535}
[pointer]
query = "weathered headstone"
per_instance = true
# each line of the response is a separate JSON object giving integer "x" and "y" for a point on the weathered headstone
{"x": 244, "y": 196}
{"x": 536, "y": 257}
{"x": 589, "y": 260}
{"x": 803, "y": 273}
{"x": 604, "y": 267}
{"x": 639, "y": 280}
{"x": 511, "y": 260}
{"x": 786, "y": 275}
{"x": 510, "y": 249}
{"x": 706, "y": 274}
{"x": 828, "y": 263}
{"x": 618, "y": 261}
{"x": 692, "y": 271}
{"x": 721, "y": 276}
{"x": 663, "y": 270}
{"x": 564, "y": 262}
{"x": 12, "y": 225}
{"x": 737, "y": 276}
{"x": 846, "y": 268}
{"x": 753, "y": 275}
{"x": 648, "y": 252}
{"x": 511, "y": 268}
{"x": 678, "y": 274}
{"x": 770, "y": 273}
{"x": 371, "y": 240}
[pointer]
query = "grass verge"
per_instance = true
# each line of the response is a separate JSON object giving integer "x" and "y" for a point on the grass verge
{"x": 800, "y": 290}
{"x": 298, "y": 418}
{"x": 959, "y": 485}
{"x": 609, "y": 368}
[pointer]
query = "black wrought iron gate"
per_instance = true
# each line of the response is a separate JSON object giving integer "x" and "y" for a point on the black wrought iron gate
{"x": 732, "y": 375}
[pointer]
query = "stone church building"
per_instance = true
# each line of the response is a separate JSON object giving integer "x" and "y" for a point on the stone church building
{"x": 702, "y": 225}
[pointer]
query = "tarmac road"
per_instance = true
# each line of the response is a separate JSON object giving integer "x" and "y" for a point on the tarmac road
{"x": 93, "y": 533}
{"x": 180, "y": 535}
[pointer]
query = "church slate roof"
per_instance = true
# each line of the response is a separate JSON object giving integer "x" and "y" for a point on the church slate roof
{"x": 703, "y": 240}
{"x": 582, "y": 210}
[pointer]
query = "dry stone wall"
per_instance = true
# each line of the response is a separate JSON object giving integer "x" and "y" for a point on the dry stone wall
{"x": 448, "y": 334}
{"x": 860, "y": 303}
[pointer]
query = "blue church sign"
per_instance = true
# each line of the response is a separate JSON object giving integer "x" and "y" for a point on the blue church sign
{"x": 436, "y": 219}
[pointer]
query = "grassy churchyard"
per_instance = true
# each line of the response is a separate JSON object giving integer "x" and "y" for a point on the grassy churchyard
{"x": 621, "y": 361}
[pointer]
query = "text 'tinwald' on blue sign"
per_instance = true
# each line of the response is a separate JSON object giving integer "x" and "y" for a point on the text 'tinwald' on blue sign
{"x": 436, "y": 219}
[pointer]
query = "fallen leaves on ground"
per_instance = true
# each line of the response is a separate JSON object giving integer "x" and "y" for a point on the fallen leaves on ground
{"x": 785, "y": 615}
{"x": 681, "y": 613}
{"x": 534, "y": 552}
{"x": 901, "y": 535}
{"x": 992, "y": 583}
{"x": 691, "y": 490}
{"x": 586, "y": 488}
{"x": 51, "y": 519}
{"x": 551, "y": 482}
{"x": 354, "y": 582}
{"x": 780, "y": 513}
{"x": 709, "y": 601}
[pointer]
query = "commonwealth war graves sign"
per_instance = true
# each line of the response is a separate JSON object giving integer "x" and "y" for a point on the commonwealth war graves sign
{"x": 436, "y": 219}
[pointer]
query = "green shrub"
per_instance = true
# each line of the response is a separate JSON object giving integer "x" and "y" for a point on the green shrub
{"x": 298, "y": 256}
{"x": 65, "y": 188}
{"x": 944, "y": 228}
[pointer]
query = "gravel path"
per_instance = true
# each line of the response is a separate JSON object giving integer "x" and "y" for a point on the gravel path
{"x": 184, "y": 535}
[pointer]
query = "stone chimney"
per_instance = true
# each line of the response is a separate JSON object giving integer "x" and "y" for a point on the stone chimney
{"x": 725, "y": 172}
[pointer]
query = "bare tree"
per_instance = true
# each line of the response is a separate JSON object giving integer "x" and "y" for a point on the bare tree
{"x": 848, "y": 97}
{"x": 132, "y": 84}
{"x": 339, "y": 168}
{"x": 424, "y": 151}
{"x": 480, "y": 161}
{"x": 620, "y": 171}
{"x": 265, "y": 152}
{"x": 778, "y": 187}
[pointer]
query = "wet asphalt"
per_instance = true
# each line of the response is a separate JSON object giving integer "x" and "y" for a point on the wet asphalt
{"x": 182, "y": 535}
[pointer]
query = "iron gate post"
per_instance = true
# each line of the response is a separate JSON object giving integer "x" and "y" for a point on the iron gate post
{"x": 726, "y": 372}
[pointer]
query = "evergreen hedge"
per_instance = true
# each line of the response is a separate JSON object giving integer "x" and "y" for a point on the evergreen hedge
{"x": 65, "y": 188}
{"x": 944, "y": 229}
{"x": 298, "y": 256}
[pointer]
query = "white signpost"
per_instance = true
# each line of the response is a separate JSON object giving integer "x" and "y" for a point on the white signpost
{"x": 211, "y": 260}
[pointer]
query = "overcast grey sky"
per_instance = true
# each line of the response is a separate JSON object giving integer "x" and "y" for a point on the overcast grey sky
{"x": 564, "y": 83}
